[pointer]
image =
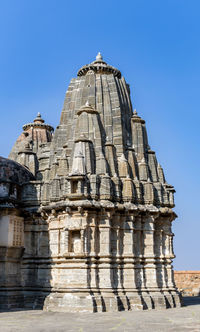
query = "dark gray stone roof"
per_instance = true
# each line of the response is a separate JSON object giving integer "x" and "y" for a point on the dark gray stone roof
{"x": 11, "y": 171}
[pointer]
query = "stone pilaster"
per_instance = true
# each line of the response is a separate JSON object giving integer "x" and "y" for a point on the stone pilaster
{"x": 149, "y": 254}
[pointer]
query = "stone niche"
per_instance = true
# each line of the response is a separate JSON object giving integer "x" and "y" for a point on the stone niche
{"x": 75, "y": 241}
{"x": 11, "y": 231}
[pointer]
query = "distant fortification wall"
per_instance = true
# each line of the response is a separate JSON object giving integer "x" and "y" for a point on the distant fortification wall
{"x": 188, "y": 282}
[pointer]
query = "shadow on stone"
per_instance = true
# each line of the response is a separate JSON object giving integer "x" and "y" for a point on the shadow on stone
{"x": 191, "y": 300}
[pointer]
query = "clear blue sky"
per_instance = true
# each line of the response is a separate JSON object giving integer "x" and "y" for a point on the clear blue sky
{"x": 155, "y": 44}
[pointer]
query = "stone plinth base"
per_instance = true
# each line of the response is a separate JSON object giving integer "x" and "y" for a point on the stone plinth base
{"x": 78, "y": 302}
{"x": 85, "y": 302}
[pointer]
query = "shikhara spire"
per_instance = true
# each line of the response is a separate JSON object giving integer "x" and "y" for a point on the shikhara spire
{"x": 99, "y": 206}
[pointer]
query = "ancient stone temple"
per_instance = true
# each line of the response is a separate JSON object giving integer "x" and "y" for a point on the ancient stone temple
{"x": 86, "y": 212}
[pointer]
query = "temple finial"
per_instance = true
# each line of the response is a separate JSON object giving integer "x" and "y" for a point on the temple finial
{"x": 99, "y": 57}
{"x": 38, "y": 119}
{"x": 135, "y": 112}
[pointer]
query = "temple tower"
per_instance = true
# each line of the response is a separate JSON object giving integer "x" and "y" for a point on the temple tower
{"x": 97, "y": 226}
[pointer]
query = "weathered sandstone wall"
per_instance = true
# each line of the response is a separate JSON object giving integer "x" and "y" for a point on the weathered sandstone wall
{"x": 188, "y": 282}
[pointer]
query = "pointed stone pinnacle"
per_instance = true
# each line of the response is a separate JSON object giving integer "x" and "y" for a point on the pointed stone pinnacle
{"x": 135, "y": 112}
{"x": 99, "y": 57}
{"x": 38, "y": 115}
{"x": 87, "y": 103}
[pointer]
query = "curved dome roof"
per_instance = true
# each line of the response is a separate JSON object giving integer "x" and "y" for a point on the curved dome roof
{"x": 11, "y": 171}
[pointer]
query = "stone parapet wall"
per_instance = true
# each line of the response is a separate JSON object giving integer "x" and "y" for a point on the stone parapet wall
{"x": 188, "y": 282}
